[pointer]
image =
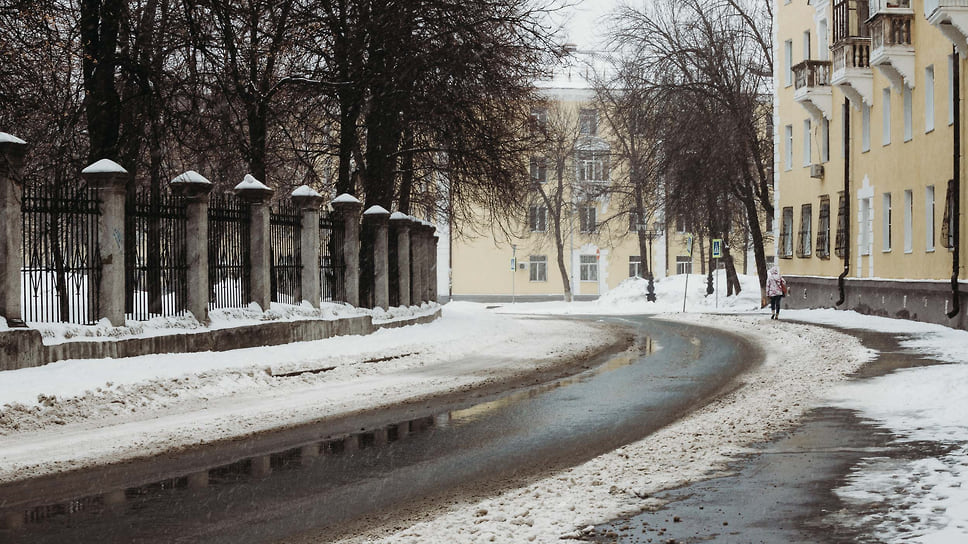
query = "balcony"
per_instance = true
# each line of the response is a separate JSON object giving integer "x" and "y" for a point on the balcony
{"x": 951, "y": 18}
{"x": 892, "y": 51}
{"x": 812, "y": 87}
{"x": 852, "y": 72}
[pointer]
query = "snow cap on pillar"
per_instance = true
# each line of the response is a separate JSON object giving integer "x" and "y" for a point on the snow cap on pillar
{"x": 376, "y": 210}
{"x": 346, "y": 198}
{"x": 105, "y": 174}
{"x": 253, "y": 190}
{"x": 104, "y": 166}
{"x": 12, "y": 152}
{"x": 190, "y": 184}
{"x": 307, "y": 198}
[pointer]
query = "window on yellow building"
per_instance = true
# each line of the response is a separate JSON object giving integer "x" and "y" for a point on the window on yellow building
{"x": 539, "y": 170}
{"x": 929, "y": 98}
{"x": 593, "y": 166}
{"x": 823, "y": 229}
{"x": 635, "y": 266}
{"x": 886, "y": 116}
{"x": 948, "y": 233}
{"x": 805, "y": 236}
{"x": 589, "y": 268}
{"x": 788, "y": 147}
{"x": 538, "y": 268}
{"x": 538, "y": 218}
{"x": 865, "y": 128}
{"x": 806, "y": 142}
{"x": 929, "y": 211}
{"x": 908, "y": 114}
{"x": 824, "y": 139}
{"x": 841, "y": 243}
{"x": 586, "y": 215}
{"x": 786, "y": 233}
{"x": 588, "y": 122}
{"x": 908, "y": 221}
{"x": 886, "y": 219}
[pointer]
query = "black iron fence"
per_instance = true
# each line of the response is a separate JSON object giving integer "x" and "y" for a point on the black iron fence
{"x": 332, "y": 268}
{"x": 157, "y": 265}
{"x": 61, "y": 263}
{"x": 228, "y": 252}
{"x": 285, "y": 243}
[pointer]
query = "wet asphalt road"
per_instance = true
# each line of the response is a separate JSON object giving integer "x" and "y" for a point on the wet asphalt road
{"x": 783, "y": 493}
{"x": 408, "y": 456}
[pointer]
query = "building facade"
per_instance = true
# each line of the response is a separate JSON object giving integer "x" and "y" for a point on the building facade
{"x": 868, "y": 147}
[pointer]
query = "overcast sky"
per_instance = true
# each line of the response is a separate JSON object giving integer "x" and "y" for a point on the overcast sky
{"x": 584, "y": 21}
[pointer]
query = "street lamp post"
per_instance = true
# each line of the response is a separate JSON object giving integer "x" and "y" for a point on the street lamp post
{"x": 651, "y": 235}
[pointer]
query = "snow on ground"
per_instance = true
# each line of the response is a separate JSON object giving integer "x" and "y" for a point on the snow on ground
{"x": 80, "y": 412}
{"x": 802, "y": 363}
{"x": 928, "y": 496}
{"x": 629, "y": 297}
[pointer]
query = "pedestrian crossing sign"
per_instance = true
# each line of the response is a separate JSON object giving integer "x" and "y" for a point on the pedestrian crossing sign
{"x": 717, "y": 248}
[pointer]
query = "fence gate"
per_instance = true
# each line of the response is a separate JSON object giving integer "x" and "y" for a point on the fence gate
{"x": 61, "y": 273}
{"x": 228, "y": 252}
{"x": 332, "y": 268}
{"x": 285, "y": 255}
{"x": 157, "y": 268}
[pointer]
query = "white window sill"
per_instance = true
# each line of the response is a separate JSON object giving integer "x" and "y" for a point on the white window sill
{"x": 929, "y": 250}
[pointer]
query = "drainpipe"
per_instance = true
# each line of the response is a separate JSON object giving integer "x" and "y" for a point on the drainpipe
{"x": 843, "y": 275}
{"x": 956, "y": 189}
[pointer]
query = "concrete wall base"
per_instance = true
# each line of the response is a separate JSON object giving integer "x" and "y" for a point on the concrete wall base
{"x": 24, "y": 348}
{"x": 925, "y": 301}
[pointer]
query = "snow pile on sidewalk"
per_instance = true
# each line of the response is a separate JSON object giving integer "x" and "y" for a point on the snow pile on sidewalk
{"x": 802, "y": 363}
{"x": 80, "y": 412}
{"x": 631, "y": 297}
{"x": 928, "y": 496}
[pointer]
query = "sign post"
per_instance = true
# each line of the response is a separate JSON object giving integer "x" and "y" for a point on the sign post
{"x": 689, "y": 241}
{"x": 717, "y": 254}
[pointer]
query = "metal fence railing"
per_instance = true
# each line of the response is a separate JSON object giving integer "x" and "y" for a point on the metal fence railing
{"x": 228, "y": 252}
{"x": 285, "y": 235}
{"x": 156, "y": 270}
{"x": 332, "y": 268}
{"x": 61, "y": 263}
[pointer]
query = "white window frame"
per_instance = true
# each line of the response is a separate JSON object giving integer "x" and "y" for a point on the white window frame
{"x": 908, "y": 114}
{"x": 822, "y": 32}
{"x": 806, "y": 45}
{"x": 788, "y": 62}
{"x": 866, "y": 226}
{"x": 886, "y": 220}
{"x": 635, "y": 266}
{"x": 908, "y": 221}
{"x": 587, "y": 219}
{"x": 538, "y": 218}
{"x": 824, "y": 140}
{"x": 788, "y": 151}
{"x": 591, "y": 166}
{"x": 588, "y": 121}
{"x": 589, "y": 268}
{"x": 806, "y": 228}
{"x": 929, "y": 99}
{"x": 806, "y": 142}
{"x": 929, "y": 212}
{"x": 865, "y": 129}
{"x": 886, "y": 116}
{"x": 538, "y": 268}
{"x": 683, "y": 264}
{"x": 539, "y": 169}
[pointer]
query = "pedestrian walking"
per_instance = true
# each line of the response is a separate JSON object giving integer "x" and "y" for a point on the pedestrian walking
{"x": 776, "y": 289}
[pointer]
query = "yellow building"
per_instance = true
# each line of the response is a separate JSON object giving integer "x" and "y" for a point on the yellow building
{"x": 599, "y": 249}
{"x": 867, "y": 139}
{"x": 600, "y": 238}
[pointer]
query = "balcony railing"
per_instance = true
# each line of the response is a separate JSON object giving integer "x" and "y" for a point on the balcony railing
{"x": 849, "y": 19}
{"x": 852, "y": 53}
{"x": 811, "y": 73}
{"x": 891, "y": 29}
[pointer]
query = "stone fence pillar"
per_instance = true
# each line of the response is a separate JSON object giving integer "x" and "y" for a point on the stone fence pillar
{"x": 258, "y": 195}
{"x": 12, "y": 152}
{"x": 375, "y": 221}
{"x": 309, "y": 201}
{"x": 195, "y": 188}
{"x": 110, "y": 181}
{"x": 419, "y": 266}
{"x": 347, "y": 208}
{"x": 400, "y": 236}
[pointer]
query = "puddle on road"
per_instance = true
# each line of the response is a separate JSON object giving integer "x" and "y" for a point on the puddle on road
{"x": 49, "y": 518}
